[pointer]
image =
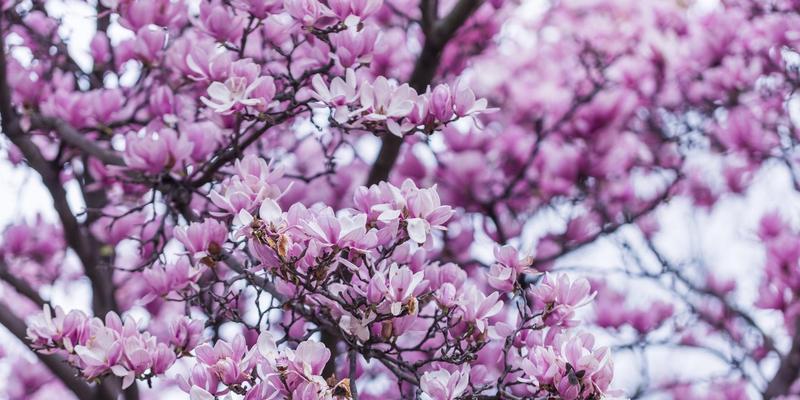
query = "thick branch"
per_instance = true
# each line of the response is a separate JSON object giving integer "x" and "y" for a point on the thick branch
{"x": 789, "y": 370}
{"x": 75, "y": 237}
{"x": 79, "y": 240}
{"x": 20, "y": 286}
{"x": 425, "y": 68}
{"x": 54, "y": 363}
{"x": 76, "y": 139}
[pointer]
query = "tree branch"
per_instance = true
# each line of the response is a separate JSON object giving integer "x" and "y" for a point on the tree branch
{"x": 789, "y": 370}
{"x": 76, "y": 139}
{"x": 76, "y": 238}
{"x": 21, "y": 286}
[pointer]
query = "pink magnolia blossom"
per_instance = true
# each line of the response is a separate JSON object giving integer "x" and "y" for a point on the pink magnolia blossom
{"x": 444, "y": 385}
{"x": 203, "y": 239}
{"x": 236, "y": 93}
{"x": 157, "y": 152}
{"x": 340, "y": 95}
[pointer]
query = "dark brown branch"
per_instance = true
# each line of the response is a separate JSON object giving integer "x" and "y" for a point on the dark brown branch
{"x": 78, "y": 239}
{"x": 75, "y": 236}
{"x": 20, "y": 286}
{"x": 352, "y": 370}
{"x": 447, "y": 27}
{"x": 425, "y": 68}
{"x": 789, "y": 370}
{"x": 76, "y": 139}
{"x": 16, "y": 326}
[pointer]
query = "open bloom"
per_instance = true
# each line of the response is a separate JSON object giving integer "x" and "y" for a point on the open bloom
{"x": 504, "y": 272}
{"x": 232, "y": 363}
{"x": 353, "y": 12}
{"x": 358, "y": 327}
{"x": 236, "y": 93}
{"x": 465, "y": 103}
{"x": 341, "y": 94}
{"x": 425, "y": 211}
{"x": 46, "y": 329}
{"x": 559, "y": 298}
{"x": 401, "y": 289}
{"x": 342, "y": 231}
{"x": 157, "y": 152}
{"x": 99, "y": 348}
{"x": 478, "y": 308}
{"x": 202, "y": 239}
{"x": 444, "y": 385}
{"x": 161, "y": 279}
{"x": 387, "y": 102}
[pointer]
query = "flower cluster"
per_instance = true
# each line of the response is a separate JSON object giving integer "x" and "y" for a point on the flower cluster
{"x": 366, "y": 273}
{"x": 253, "y": 182}
{"x": 570, "y": 364}
{"x": 382, "y": 104}
{"x": 111, "y": 347}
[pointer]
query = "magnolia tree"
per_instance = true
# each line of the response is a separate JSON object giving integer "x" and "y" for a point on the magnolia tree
{"x": 373, "y": 199}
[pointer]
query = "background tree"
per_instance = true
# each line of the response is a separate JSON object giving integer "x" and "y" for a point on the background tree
{"x": 321, "y": 199}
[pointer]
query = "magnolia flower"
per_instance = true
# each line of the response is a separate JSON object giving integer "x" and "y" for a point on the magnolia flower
{"x": 353, "y": 12}
{"x": 45, "y": 329}
{"x": 231, "y": 362}
{"x": 340, "y": 95}
{"x": 200, "y": 383}
{"x": 425, "y": 211}
{"x": 572, "y": 364}
{"x": 503, "y": 273}
{"x": 306, "y": 12}
{"x": 185, "y": 333}
{"x": 163, "y": 279}
{"x": 220, "y": 23}
{"x": 202, "y": 238}
{"x": 267, "y": 347}
{"x": 238, "y": 195}
{"x": 358, "y": 327}
{"x": 157, "y": 152}
{"x": 310, "y": 358}
{"x": 465, "y": 103}
{"x": 402, "y": 286}
{"x": 100, "y": 353}
{"x": 355, "y": 46}
{"x": 560, "y": 297}
{"x": 236, "y": 93}
{"x": 342, "y": 231}
{"x": 206, "y": 63}
{"x": 389, "y": 103}
{"x": 444, "y": 385}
